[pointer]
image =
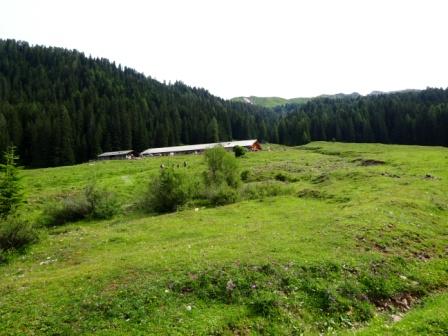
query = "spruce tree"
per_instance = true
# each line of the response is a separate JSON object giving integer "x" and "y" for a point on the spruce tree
{"x": 4, "y": 134}
{"x": 213, "y": 131}
{"x": 65, "y": 139}
{"x": 10, "y": 190}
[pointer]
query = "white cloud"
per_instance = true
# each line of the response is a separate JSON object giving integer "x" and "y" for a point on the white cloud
{"x": 283, "y": 48}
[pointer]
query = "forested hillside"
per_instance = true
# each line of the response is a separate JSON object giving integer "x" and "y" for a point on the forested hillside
{"x": 412, "y": 117}
{"x": 60, "y": 107}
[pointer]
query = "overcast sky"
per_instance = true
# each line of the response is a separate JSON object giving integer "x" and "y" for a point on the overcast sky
{"x": 241, "y": 48}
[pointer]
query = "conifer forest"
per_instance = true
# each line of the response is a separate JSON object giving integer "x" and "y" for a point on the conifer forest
{"x": 61, "y": 107}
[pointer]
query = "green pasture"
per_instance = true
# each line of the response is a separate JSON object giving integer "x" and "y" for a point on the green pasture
{"x": 356, "y": 244}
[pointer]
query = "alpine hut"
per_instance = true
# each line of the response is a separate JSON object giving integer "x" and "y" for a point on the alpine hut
{"x": 118, "y": 155}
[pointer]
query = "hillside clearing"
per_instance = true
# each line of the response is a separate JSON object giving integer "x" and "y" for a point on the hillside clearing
{"x": 362, "y": 228}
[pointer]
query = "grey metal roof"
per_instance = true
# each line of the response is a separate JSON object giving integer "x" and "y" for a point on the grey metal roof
{"x": 192, "y": 148}
{"x": 124, "y": 152}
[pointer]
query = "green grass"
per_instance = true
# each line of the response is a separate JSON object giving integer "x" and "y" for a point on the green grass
{"x": 428, "y": 318}
{"x": 353, "y": 230}
{"x": 271, "y": 101}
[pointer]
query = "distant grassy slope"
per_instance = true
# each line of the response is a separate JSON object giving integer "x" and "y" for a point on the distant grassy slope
{"x": 277, "y": 101}
{"x": 365, "y": 226}
{"x": 270, "y": 101}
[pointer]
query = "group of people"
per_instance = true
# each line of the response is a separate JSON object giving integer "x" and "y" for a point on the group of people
{"x": 185, "y": 164}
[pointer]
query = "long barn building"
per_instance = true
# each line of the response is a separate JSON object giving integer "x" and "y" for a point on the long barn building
{"x": 252, "y": 145}
{"x": 118, "y": 155}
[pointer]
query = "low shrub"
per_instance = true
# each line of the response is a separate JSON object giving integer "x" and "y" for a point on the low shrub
{"x": 102, "y": 203}
{"x": 239, "y": 151}
{"x": 167, "y": 192}
{"x": 245, "y": 174}
{"x": 282, "y": 177}
{"x": 221, "y": 195}
{"x": 320, "y": 179}
{"x": 266, "y": 303}
{"x": 70, "y": 208}
{"x": 93, "y": 203}
{"x": 380, "y": 286}
{"x": 259, "y": 190}
{"x": 15, "y": 233}
{"x": 222, "y": 177}
{"x": 222, "y": 167}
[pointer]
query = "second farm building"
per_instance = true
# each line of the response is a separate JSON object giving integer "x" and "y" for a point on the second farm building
{"x": 252, "y": 145}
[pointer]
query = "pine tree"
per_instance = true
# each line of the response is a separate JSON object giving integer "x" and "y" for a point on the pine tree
{"x": 213, "y": 131}
{"x": 4, "y": 134}
{"x": 10, "y": 190}
{"x": 64, "y": 139}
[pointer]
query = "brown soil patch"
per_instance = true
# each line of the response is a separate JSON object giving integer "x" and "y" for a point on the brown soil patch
{"x": 369, "y": 162}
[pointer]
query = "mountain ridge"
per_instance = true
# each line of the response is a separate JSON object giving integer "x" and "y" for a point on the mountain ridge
{"x": 274, "y": 101}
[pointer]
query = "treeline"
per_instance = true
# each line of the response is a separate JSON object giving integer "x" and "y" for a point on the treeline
{"x": 414, "y": 117}
{"x": 60, "y": 107}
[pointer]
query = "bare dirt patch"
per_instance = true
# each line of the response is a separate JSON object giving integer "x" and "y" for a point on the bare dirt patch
{"x": 369, "y": 162}
{"x": 316, "y": 194}
{"x": 401, "y": 302}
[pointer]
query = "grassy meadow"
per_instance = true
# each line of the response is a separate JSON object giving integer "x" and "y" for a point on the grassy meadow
{"x": 348, "y": 239}
{"x": 271, "y": 101}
